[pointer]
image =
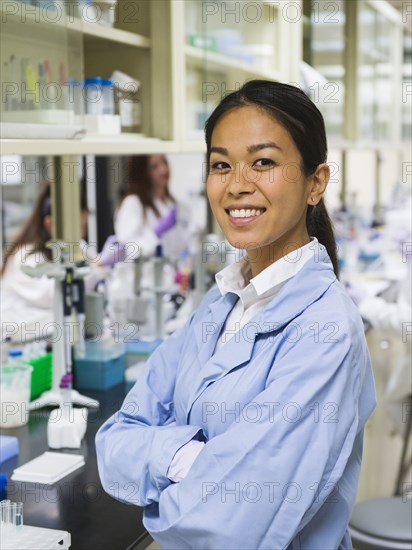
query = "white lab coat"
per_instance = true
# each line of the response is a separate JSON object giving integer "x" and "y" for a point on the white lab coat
{"x": 136, "y": 230}
{"x": 26, "y": 303}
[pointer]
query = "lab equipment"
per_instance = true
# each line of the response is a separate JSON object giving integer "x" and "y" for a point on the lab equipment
{"x": 3, "y": 485}
{"x": 67, "y": 312}
{"x": 94, "y": 310}
{"x": 48, "y": 468}
{"x": 15, "y": 394}
{"x": 67, "y": 425}
{"x": 99, "y": 96}
{"x": 42, "y": 375}
{"x": 64, "y": 273}
{"x": 99, "y": 101}
{"x": 120, "y": 293}
{"x": 78, "y": 293}
{"x": 153, "y": 293}
{"x": 127, "y": 103}
{"x": 39, "y": 538}
{"x": 14, "y": 535}
{"x": 101, "y": 366}
{"x": 11, "y": 519}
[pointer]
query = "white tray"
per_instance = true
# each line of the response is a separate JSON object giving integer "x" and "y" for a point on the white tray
{"x": 36, "y": 538}
{"x": 48, "y": 468}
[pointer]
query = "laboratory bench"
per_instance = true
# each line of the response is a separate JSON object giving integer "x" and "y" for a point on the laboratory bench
{"x": 77, "y": 503}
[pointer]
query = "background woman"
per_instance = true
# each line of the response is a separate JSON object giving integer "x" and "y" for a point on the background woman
{"x": 148, "y": 214}
{"x": 29, "y": 300}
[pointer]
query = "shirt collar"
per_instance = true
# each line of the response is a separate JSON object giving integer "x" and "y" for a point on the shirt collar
{"x": 236, "y": 277}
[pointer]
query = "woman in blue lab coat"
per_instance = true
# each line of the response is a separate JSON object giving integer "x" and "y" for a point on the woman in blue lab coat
{"x": 245, "y": 430}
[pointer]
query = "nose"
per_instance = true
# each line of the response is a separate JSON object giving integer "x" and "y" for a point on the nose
{"x": 240, "y": 181}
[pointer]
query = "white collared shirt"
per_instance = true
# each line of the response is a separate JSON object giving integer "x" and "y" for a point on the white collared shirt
{"x": 254, "y": 293}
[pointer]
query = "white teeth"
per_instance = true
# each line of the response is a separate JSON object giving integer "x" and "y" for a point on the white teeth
{"x": 249, "y": 213}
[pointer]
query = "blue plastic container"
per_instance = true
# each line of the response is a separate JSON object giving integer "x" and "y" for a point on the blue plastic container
{"x": 101, "y": 367}
{"x": 140, "y": 349}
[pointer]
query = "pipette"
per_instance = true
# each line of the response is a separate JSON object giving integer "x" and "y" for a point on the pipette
{"x": 78, "y": 302}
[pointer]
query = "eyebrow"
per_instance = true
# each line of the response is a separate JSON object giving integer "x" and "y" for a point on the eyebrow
{"x": 259, "y": 146}
{"x": 250, "y": 149}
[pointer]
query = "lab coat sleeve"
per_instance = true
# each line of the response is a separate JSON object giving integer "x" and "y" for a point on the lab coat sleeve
{"x": 383, "y": 315}
{"x": 136, "y": 445}
{"x": 36, "y": 291}
{"x": 269, "y": 473}
{"x": 391, "y": 316}
{"x": 132, "y": 230}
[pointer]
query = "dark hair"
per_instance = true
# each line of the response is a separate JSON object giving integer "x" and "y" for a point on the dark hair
{"x": 293, "y": 109}
{"x": 138, "y": 182}
{"x": 33, "y": 232}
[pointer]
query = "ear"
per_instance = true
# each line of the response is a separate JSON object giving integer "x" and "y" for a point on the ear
{"x": 317, "y": 184}
{"x": 47, "y": 224}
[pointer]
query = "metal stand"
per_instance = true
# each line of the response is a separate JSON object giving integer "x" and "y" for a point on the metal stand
{"x": 53, "y": 397}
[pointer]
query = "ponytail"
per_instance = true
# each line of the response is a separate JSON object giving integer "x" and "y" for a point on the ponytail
{"x": 319, "y": 225}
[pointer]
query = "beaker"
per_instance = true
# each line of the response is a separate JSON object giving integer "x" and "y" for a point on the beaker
{"x": 15, "y": 383}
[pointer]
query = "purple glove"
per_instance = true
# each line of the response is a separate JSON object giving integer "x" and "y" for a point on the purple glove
{"x": 112, "y": 252}
{"x": 167, "y": 222}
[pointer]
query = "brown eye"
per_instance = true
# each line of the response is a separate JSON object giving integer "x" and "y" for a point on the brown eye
{"x": 261, "y": 163}
{"x": 218, "y": 166}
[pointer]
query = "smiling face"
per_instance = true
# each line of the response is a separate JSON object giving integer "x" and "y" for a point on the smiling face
{"x": 256, "y": 187}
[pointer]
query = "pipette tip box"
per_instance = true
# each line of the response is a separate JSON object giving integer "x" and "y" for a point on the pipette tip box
{"x": 100, "y": 367}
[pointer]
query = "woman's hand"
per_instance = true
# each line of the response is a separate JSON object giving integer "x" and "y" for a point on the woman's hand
{"x": 112, "y": 252}
{"x": 167, "y": 222}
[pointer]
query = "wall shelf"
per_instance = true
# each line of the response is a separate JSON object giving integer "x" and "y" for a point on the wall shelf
{"x": 100, "y": 32}
{"x": 43, "y": 19}
{"x": 124, "y": 144}
{"x": 148, "y": 42}
{"x": 216, "y": 62}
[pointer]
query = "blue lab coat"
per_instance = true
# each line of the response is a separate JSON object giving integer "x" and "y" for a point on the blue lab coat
{"x": 281, "y": 406}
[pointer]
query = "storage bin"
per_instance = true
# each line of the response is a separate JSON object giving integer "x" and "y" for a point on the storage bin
{"x": 101, "y": 366}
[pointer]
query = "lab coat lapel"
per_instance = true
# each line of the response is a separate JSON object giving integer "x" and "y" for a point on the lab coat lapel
{"x": 207, "y": 330}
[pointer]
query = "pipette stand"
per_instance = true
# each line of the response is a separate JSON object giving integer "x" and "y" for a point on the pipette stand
{"x": 53, "y": 397}
{"x": 158, "y": 289}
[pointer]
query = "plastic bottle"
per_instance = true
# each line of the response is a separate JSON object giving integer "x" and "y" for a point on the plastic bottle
{"x": 15, "y": 357}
